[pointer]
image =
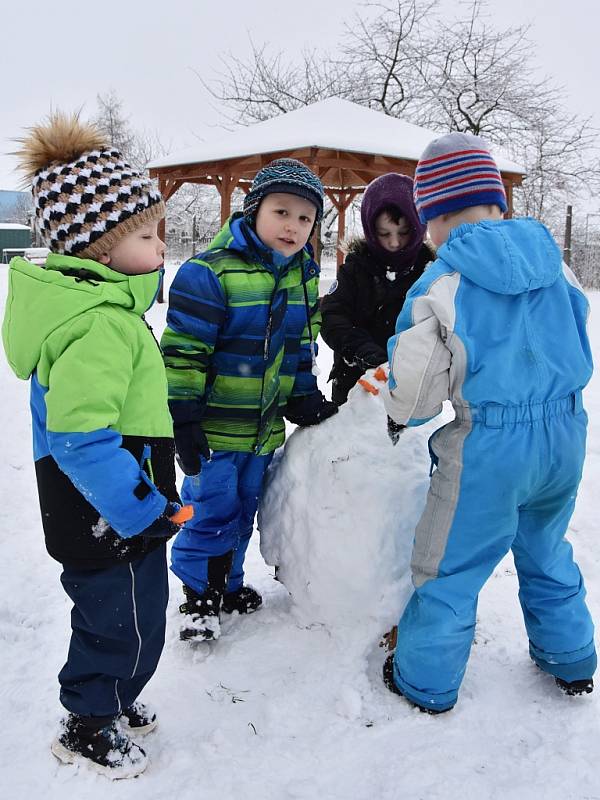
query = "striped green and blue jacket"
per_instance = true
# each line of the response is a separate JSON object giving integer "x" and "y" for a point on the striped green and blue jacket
{"x": 237, "y": 344}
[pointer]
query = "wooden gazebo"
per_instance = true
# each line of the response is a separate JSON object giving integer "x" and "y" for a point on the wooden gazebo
{"x": 345, "y": 144}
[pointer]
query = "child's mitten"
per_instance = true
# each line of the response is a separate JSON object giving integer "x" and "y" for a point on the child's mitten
{"x": 190, "y": 444}
{"x": 309, "y": 409}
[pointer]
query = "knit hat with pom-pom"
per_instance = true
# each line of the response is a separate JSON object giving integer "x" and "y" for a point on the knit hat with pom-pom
{"x": 86, "y": 196}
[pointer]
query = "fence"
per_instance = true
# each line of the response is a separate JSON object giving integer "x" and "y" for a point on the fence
{"x": 585, "y": 252}
{"x": 181, "y": 246}
{"x": 585, "y": 261}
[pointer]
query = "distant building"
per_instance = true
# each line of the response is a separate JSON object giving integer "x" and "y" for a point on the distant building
{"x": 15, "y": 206}
{"x": 14, "y": 240}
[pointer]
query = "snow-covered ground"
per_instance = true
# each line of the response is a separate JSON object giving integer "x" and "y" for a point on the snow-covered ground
{"x": 289, "y": 702}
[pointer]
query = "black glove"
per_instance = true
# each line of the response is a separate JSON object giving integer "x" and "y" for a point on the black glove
{"x": 162, "y": 527}
{"x": 394, "y": 430}
{"x": 366, "y": 356}
{"x": 310, "y": 409}
{"x": 190, "y": 444}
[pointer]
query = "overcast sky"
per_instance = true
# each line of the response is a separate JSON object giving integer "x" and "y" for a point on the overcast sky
{"x": 62, "y": 54}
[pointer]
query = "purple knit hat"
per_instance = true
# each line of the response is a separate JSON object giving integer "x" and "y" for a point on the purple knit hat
{"x": 395, "y": 190}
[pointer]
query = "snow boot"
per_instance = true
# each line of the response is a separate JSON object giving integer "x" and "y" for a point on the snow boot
{"x": 137, "y": 719}
{"x": 245, "y": 600}
{"x": 202, "y": 610}
{"x": 573, "y": 688}
{"x": 388, "y": 679}
{"x": 105, "y": 749}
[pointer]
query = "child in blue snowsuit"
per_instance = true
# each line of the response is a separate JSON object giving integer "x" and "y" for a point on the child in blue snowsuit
{"x": 497, "y": 324}
{"x": 239, "y": 350}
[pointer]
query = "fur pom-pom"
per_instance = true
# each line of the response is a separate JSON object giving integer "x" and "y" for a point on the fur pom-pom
{"x": 61, "y": 139}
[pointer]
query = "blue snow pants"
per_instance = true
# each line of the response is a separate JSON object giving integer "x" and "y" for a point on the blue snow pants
{"x": 225, "y": 497}
{"x": 118, "y": 622}
{"x": 506, "y": 478}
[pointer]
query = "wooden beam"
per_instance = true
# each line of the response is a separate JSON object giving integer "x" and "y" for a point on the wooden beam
{"x": 364, "y": 165}
{"x": 169, "y": 187}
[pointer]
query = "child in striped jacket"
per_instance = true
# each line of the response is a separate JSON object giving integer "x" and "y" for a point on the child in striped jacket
{"x": 239, "y": 349}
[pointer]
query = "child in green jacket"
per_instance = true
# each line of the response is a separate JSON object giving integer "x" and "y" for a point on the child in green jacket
{"x": 102, "y": 433}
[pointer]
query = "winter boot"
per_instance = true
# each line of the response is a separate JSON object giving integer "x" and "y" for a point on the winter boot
{"x": 202, "y": 610}
{"x": 245, "y": 600}
{"x": 105, "y": 749}
{"x": 137, "y": 719}
{"x": 572, "y": 688}
{"x": 388, "y": 679}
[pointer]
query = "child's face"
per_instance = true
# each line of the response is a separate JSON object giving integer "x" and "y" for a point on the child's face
{"x": 284, "y": 222}
{"x": 393, "y": 236}
{"x": 137, "y": 252}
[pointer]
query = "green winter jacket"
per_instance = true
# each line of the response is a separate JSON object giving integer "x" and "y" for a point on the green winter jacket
{"x": 102, "y": 431}
{"x": 237, "y": 344}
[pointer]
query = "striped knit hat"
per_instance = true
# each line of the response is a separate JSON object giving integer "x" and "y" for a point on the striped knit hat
{"x": 86, "y": 196}
{"x": 288, "y": 176}
{"x": 457, "y": 171}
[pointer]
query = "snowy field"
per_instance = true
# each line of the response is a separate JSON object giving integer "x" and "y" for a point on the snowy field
{"x": 289, "y": 703}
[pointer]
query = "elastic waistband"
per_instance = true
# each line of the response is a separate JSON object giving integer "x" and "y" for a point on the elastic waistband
{"x": 495, "y": 415}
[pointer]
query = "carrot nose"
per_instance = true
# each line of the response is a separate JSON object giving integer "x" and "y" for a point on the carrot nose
{"x": 368, "y": 386}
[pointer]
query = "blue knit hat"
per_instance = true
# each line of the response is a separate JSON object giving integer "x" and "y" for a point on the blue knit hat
{"x": 457, "y": 171}
{"x": 288, "y": 176}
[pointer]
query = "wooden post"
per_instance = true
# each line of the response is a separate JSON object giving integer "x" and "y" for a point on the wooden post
{"x": 567, "y": 247}
{"x": 160, "y": 298}
{"x": 508, "y": 188}
{"x": 226, "y": 184}
{"x": 341, "y": 233}
{"x": 341, "y": 202}
{"x": 317, "y": 245}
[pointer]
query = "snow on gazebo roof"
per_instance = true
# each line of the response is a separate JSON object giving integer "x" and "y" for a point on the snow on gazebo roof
{"x": 334, "y": 124}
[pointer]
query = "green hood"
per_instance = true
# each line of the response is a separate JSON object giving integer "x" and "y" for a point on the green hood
{"x": 41, "y": 299}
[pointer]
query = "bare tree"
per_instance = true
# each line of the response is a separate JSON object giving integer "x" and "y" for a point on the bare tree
{"x": 477, "y": 78}
{"x": 20, "y": 210}
{"x": 267, "y": 84}
{"x": 402, "y": 57}
{"x": 138, "y": 146}
{"x": 383, "y": 55}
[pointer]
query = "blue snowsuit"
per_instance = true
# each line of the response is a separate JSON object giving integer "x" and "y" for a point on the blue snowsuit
{"x": 497, "y": 324}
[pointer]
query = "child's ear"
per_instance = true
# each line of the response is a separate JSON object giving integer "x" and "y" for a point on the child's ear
{"x": 104, "y": 258}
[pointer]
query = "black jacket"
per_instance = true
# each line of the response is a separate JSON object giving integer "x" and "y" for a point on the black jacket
{"x": 360, "y": 312}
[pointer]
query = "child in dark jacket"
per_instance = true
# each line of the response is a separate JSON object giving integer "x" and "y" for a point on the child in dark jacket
{"x": 102, "y": 434}
{"x": 240, "y": 349}
{"x": 361, "y": 308}
{"x": 497, "y": 325}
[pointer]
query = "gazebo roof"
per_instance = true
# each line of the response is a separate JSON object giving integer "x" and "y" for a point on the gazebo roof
{"x": 332, "y": 124}
{"x": 345, "y": 144}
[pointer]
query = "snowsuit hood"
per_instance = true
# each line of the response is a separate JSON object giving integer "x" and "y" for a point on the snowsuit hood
{"x": 505, "y": 256}
{"x": 41, "y": 299}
